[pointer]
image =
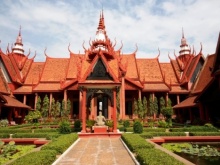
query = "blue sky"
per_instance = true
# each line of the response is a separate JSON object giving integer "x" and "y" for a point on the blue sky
{"x": 151, "y": 24}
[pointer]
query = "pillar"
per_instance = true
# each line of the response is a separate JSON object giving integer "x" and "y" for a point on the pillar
{"x": 35, "y": 100}
{"x": 65, "y": 98}
{"x": 83, "y": 110}
{"x": 114, "y": 115}
{"x": 178, "y": 99}
{"x": 80, "y": 104}
{"x": 139, "y": 94}
{"x": 25, "y": 99}
{"x": 51, "y": 97}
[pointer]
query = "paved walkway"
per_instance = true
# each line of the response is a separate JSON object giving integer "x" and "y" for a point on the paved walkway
{"x": 96, "y": 151}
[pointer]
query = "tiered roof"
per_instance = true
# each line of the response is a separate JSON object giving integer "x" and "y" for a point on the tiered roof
{"x": 56, "y": 74}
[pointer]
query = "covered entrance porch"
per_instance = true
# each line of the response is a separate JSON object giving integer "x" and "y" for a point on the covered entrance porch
{"x": 96, "y": 99}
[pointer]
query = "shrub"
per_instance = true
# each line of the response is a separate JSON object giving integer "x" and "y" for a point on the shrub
{"x": 195, "y": 129}
{"x": 126, "y": 123}
{"x": 137, "y": 127}
{"x": 77, "y": 124}
{"x": 4, "y": 123}
{"x": 45, "y": 157}
{"x": 61, "y": 143}
{"x": 135, "y": 141}
{"x": 146, "y": 156}
{"x": 64, "y": 127}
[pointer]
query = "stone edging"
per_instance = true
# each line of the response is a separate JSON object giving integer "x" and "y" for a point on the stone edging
{"x": 130, "y": 153}
{"x": 64, "y": 154}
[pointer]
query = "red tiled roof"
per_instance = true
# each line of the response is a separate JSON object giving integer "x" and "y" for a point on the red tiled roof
{"x": 47, "y": 87}
{"x": 23, "y": 90}
{"x": 130, "y": 62}
{"x": 26, "y": 66}
{"x": 3, "y": 84}
{"x": 9, "y": 67}
{"x": 189, "y": 102}
{"x": 149, "y": 70}
{"x": 176, "y": 67}
{"x": 169, "y": 73}
{"x": 113, "y": 64}
{"x": 72, "y": 66}
{"x": 12, "y": 102}
{"x": 34, "y": 73}
{"x": 204, "y": 75}
{"x": 54, "y": 69}
{"x": 155, "y": 87}
{"x": 178, "y": 89}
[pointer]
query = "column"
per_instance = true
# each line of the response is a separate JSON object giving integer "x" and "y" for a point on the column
{"x": 178, "y": 99}
{"x": 139, "y": 94}
{"x": 83, "y": 110}
{"x": 51, "y": 97}
{"x": 35, "y": 100}
{"x": 123, "y": 97}
{"x": 80, "y": 104}
{"x": 25, "y": 99}
{"x": 65, "y": 98}
{"x": 114, "y": 111}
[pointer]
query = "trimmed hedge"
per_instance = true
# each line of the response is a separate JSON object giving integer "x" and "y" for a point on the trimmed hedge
{"x": 12, "y": 131}
{"x": 134, "y": 141}
{"x": 130, "y": 129}
{"x": 145, "y": 152}
{"x": 149, "y": 135}
{"x": 152, "y": 156}
{"x": 48, "y": 136}
{"x": 195, "y": 129}
{"x": 44, "y": 157}
{"x": 204, "y": 133}
{"x": 61, "y": 143}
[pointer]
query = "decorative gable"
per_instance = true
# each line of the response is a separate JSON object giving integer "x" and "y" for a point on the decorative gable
{"x": 99, "y": 72}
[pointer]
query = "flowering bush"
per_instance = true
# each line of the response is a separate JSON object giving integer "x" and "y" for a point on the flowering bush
{"x": 4, "y": 123}
{"x": 33, "y": 116}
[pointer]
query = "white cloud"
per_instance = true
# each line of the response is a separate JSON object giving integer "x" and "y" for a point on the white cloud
{"x": 150, "y": 24}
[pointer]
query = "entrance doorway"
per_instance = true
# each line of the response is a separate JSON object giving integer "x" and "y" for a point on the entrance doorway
{"x": 102, "y": 105}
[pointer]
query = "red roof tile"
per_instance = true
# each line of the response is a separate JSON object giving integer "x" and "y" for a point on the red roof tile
{"x": 178, "y": 89}
{"x": 12, "y": 102}
{"x": 149, "y": 70}
{"x": 47, "y": 87}
{"x": 34, "y": 73}
{"x": 23, "y": 90}
{"x": 189, "y": 102}
{"x": 169, "y": 73}
{"x": 3, "y": 84}
{"x": 9, "y": 67}
{"x": 155, "y": 87}
{"x": 72, "y": 66}
{"x": 204, "y": 75}
{"x": 54, "y": 69}
{"x": 130, "y": 62}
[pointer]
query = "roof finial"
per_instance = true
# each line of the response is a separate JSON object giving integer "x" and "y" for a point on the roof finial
{"x": 20, "y": 31}
{"x": 182, "y": 33}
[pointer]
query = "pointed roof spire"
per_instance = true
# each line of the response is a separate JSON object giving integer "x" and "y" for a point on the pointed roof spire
{"x": 18, "y": 48}
{"x": 101, "y": 25}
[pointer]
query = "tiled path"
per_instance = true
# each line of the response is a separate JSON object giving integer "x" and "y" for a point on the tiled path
{"x": 97, "y": 151}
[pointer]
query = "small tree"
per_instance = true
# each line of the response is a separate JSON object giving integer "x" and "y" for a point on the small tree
{"x": 65, "y": 108}
{"x": 45, "y": 107}
{"x": 140, "y": 108}
{"x": 53, "y": 108}
{"x": 167, "y": 111}
{"x": 38, "y": 104}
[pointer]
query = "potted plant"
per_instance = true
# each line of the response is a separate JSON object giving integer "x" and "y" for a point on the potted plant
{"x": 89, "y": 124}
{"x": 110, "y": 125}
